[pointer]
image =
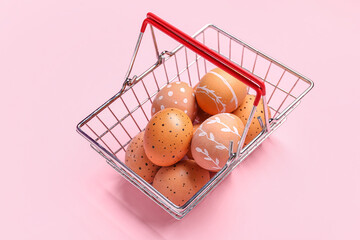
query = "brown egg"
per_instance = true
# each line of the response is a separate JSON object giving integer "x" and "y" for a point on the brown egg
{"x": 181, "y": 181}
{"x": 243, "y": 112}
{"x": 176, "y": 95}
{"x": 189, "y": 154}
{"x": 136, "y": 159}
{"x": 219, "y": 92}
{"x": 167, "y": 136}
{"x": 211, "y": 141}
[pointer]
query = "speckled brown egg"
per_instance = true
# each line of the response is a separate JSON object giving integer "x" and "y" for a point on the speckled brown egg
{"x": 243, "y": 112}
{"x": 167, "y": 136}
{"x": 211, "y": 141}
{"x": 189, "y": 154}
{"x": 181, "y": 181}
{"x": 136, "y": 159}
{"x": 176, "y": 95}
{"x": 219, "y": 92}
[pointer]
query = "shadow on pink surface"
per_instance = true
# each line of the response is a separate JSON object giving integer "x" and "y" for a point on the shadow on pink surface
{"x": 118, "y": 195}
{"x": 140, "y": 205}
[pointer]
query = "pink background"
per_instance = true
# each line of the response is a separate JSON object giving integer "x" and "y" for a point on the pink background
{"x": 59, "y": 60}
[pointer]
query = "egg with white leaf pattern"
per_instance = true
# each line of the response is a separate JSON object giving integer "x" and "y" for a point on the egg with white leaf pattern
{"x": 219, "y": 92}
{"x": 211, "y": 141}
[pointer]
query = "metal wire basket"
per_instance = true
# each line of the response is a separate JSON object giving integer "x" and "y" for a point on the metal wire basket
{"x": 111, "y": 127}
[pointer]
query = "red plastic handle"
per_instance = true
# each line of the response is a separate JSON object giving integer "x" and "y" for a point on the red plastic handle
{"x": 207, "y": 53}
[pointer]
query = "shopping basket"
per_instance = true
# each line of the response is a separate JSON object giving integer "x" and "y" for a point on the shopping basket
{"x": 110, "y": 128}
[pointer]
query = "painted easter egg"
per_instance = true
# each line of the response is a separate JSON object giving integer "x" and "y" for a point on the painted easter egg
{"x": 243, "y": 112}
{"x": 219, "y": 92}
{"x": 181, "y": 181}
{"x": 136, "y": 159}
{"x": 176, "y": 95}
{"x": 210, "y": 143}
{"x": 167, "y": 136}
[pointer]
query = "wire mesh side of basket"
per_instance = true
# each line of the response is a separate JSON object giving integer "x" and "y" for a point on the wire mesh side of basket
{"x": 111, "y": 127}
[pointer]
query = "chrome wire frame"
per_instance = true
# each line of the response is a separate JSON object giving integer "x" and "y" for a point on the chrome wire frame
{"x": 270, "y": 125}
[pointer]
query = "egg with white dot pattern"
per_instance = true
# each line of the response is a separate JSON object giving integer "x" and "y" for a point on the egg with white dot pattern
{"x": 176, "y": 95}
{"x": 168, "y": 136}
{"x": 136, "y": 159}
{"x": 181, "y": 181}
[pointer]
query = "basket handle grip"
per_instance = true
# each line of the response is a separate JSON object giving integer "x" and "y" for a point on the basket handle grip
{"x": 246, "y": 77}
